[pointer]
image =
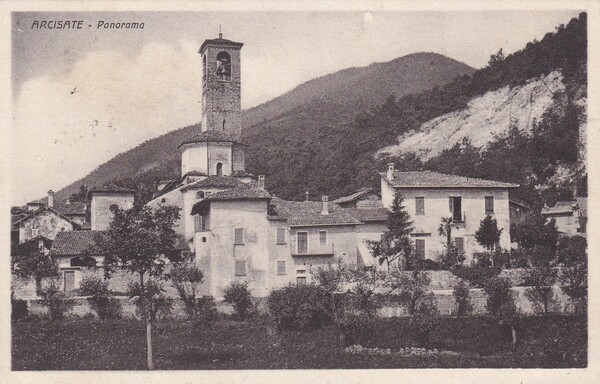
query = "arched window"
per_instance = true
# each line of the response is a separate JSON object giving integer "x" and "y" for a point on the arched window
{"x": 83, "y": 261}
{"x": 204, "y": 68}
{"x": 219, "y": 169}
{"x": 113, "y": 207}
{"x": 223, "y": 66}
{"x": 200, "y": 194}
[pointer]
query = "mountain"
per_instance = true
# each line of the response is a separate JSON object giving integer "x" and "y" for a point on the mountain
{"x": 329, "y": 100}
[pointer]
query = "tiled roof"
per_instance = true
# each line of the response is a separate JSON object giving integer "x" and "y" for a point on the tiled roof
{"x": 219, "y": 41}
{"x": 213, "y": 182}
{"x": 243, "y": 191}
{"x": 212, "y": 135}
{"x": 429, "y": 179}
{"x": 355, "y": 196}
{"x": 560, "y": 207}
{"x": 300, "y": 213}
{"x": 62, "y": 206}
{"x": 75, "y": 243}
{"x": 241, "y": 173}
{"x": 112, "y": 189}
{"x": 514, "y": 200}
{"x": 48, "y": 209}
{"x": 367, "y": 215}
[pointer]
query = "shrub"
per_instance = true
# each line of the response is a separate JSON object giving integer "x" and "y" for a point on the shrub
{"x": 461, "y": 294}
{"x": 186, "y": 279}
{"x": 206, "y": 310}
{"x": 540, "y": 292}
{"x": 238, "y": 295}
{"x": 152, "y": 295}
{"x": 517, "y": 259}
{"x": 355, "y": 329}
{"x": 300, "y": 306}
{"x": 412, "y": 288}
{"x": 499, "y": 294}
{"x": 106, "y": 307}
{"x": 54, "y": 299}
{"x": 19, "y": 309}
{"x": 476, "y": 275}
{"x": 432, "y": 265}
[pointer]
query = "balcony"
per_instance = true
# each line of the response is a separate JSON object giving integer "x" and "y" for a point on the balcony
{"x": 313, "y": 250}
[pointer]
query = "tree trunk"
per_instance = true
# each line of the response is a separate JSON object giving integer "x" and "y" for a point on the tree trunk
{"x": 514, "y": 336}
{"x": 149, "y": 342}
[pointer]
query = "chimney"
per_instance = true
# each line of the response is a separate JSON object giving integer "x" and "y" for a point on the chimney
{"x": 306, "y": 196}
{"x": 261, "y": 182}
{"x": 325, "y": 210}
{"x": 51, "y": 198}
{"x": 390, "y": 171}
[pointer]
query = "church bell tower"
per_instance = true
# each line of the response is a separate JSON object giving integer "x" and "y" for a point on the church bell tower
{"x": 221, "y": 86}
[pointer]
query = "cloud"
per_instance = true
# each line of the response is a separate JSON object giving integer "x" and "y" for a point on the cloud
{"x": 109, "y": 101}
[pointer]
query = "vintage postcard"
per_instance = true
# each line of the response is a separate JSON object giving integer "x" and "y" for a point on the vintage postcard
{"x": 330, "y": 192}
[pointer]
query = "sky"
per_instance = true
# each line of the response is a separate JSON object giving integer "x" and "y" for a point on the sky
{"x": 80, "y": 97}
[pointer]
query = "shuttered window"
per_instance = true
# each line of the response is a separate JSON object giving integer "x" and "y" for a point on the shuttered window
{"x": 301, "y": 280}
{"x": 456, "y": 208}
{"x": 240, "y": 268}
{"x": 238, "y": 236}
{"x": 489, "y": 204}
{"x": 420, "y": 205}
{"x": 459, "y": 243}
{"x": 420, "y": 248}
{"x": 281, "y": 235}
{"x": 281, "y": 267}
{"x": 322, "y": 237}
{"x": 302, "y": 242}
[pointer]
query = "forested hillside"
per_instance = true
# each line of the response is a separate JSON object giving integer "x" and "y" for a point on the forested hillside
{"x": 327, "y": 144}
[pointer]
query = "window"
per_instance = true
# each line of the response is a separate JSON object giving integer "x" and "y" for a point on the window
{"x": 281, "y": 267}
{"x": 113, "y": 207}
{"x": 322, "y": 237}
{"x": 35, "y": 232}
{"x": 199, "y": 224}
{"x": 238, "y": 234}
{"x": 223, "y": 66}
{"x": 301, "y": 280}
{"x": 459, "y": 243}
{"x": 240, "y": 267}
{"x": 456, "y": 208}
{"x": 420, "y": 248}
{"x": 489, "y": 204}
{"x": 219, "y": 169}
{"x": 302, "y": 242}
{"x": 83, "y": 261}
{"x": 281, "y": 235}
{"x": 420, "y": 205}
{"x": 163, "y": 200}
{"x": 200, "y": 194}
{"x": 204, "y": 68}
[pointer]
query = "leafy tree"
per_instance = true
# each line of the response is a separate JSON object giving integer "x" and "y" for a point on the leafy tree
{"x": 425, "y": 318}
{"x": 461, "y": 294}
{"x": 395, "y": 243}
{"x": 574, "y": 276}
{"x": 137, "y": 240}
{"x": 501, "y": 303}
{"x": 488, "y": 234}
{"x": 496, "y": 59}
{"x": 81, "y": 195}
{"x": 238, "y": 295}
{"x": 363, "y": 285}
{"x": 412, "y": 287}
{"x": 451, "y": 258}
{"x": 30, "y": 262}
{"x": 186, "y": 278}
{"x": 535, "y": 231}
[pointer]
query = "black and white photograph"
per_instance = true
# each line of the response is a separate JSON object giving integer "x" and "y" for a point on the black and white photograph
{"x": 278, "y": 188}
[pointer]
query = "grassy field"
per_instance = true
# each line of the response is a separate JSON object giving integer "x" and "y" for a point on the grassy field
{"x": 550, "y": 342}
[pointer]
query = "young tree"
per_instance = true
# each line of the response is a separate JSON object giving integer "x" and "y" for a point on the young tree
{"x": 451, "y": 258}
{"x": 535, "y": 231}
{"x": 412, "y": 287}
{"x": 461, "y": 294}
{"x": 238, "y": 295}
{"x": 541, "y": 280}
{"x": 574, "y": 275}
{"x": 30, "y": 262}
{"x": 137, "y": 241}
{"x": 395, "y": 243}
{"x": 186, "y": 278}
{"x": 496, "y": 59}
{"x": 501, "y": 303}
{"x": 488, "y": 234}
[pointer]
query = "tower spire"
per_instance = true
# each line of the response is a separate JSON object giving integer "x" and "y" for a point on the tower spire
{"x": 220, "y": 32}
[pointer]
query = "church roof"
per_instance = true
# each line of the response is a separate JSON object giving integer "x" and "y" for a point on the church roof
{"x": 429, "y": 179}
{"x": 213, "y": 182}
{"x": 219, "y": 41}
{"x": 212, "y": 136}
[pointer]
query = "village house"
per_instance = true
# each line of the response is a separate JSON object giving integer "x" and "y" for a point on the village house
{"x": 570, "y": 216}
{"x": 431, "y": 196}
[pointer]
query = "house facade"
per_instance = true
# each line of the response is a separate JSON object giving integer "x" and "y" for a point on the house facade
{"x": 570, "y": 216}
{"x": 431, "y": 196}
